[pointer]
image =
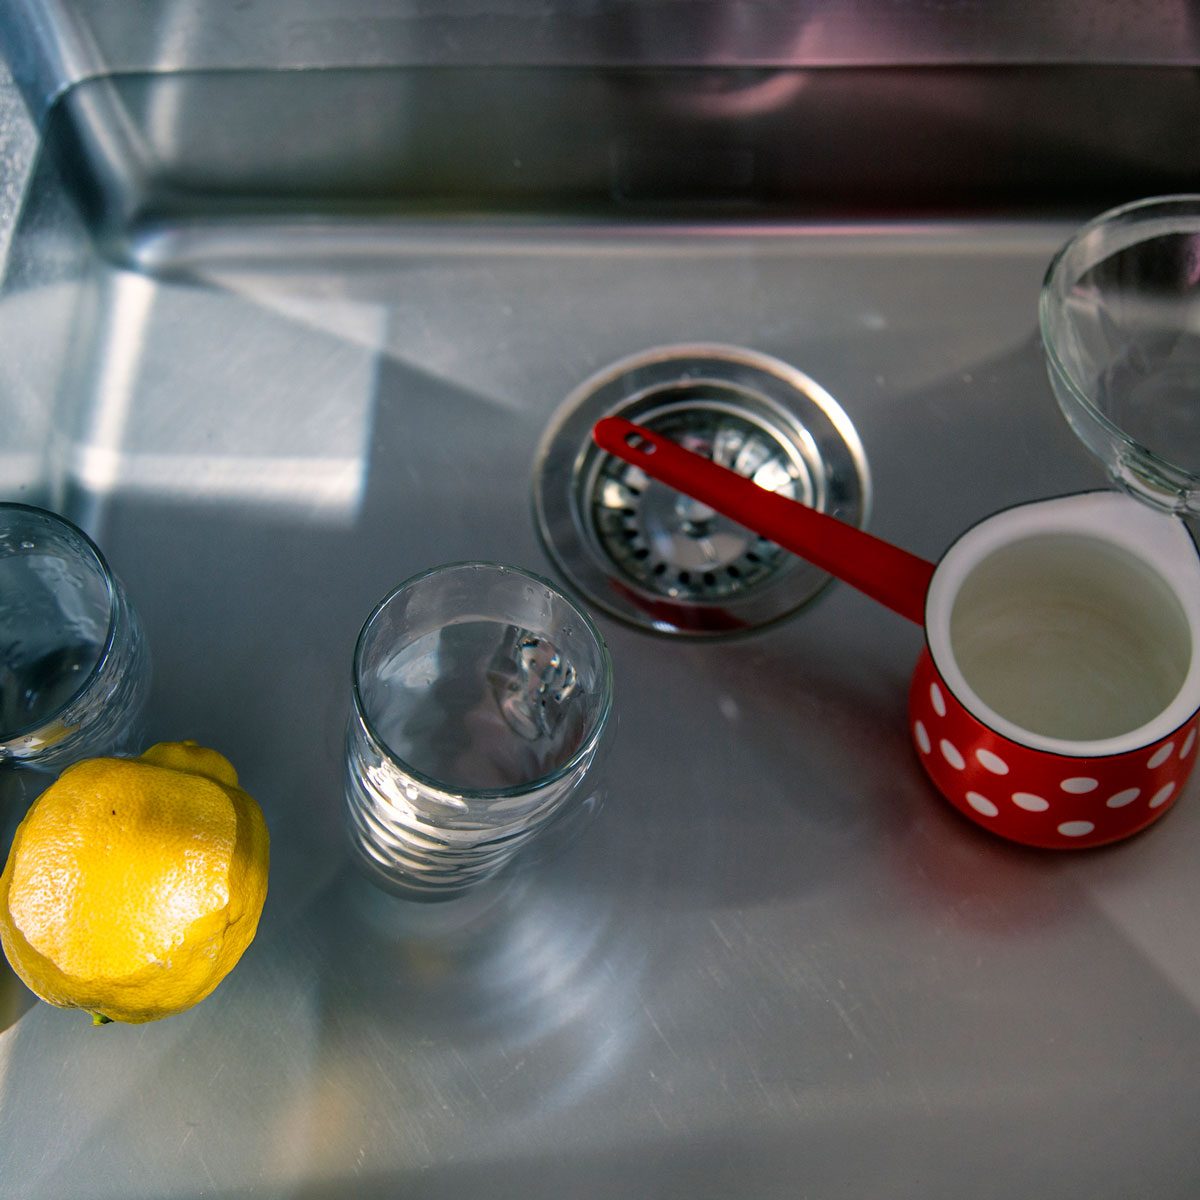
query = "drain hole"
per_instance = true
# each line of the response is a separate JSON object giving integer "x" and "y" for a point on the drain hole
{"x": 694, "y": 543}
{"x": 662, "y": 560}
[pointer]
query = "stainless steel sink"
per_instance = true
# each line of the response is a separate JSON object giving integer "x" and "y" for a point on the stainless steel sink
{"x": 280, "y": 338}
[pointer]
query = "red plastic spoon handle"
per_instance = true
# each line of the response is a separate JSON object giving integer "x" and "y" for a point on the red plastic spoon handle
{"x": 882, "y": 571}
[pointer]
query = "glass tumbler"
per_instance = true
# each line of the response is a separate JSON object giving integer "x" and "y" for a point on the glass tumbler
{"x": 482, "y": 697}
{"x": 74, "y": 663}
{"x": 1120, "y": 325}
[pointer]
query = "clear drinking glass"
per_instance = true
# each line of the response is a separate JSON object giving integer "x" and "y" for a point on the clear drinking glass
{"x": 482, "y": 699}
{"x": 74, "y": 663}
{"x": 1120, "y": 324}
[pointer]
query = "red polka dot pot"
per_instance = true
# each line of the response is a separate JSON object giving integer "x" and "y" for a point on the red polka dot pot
{"x": 1056, "y": 701}
{"x": 1034, "y": 796}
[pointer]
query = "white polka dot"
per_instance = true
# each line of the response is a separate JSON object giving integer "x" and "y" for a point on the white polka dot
{"x": 1188, "y": 743}
{"x": 951, "y": 754}
{"x": 1029, "y": 802}
{"x": 991, "y": 762}
{"x": 1079, "y": 784}
{"x": 981, "y": 804}
{"x": 922, "y": 736}
{"x": 1161, "y": 755}
{"x": 1162, "y": 795}
{"x": 937, "y": 699}
{"x": 1128, "y": 796}
{"x": 1076, "y": 828}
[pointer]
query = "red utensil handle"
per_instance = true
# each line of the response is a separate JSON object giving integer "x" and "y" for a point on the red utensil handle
{"x": 880, "y": 570}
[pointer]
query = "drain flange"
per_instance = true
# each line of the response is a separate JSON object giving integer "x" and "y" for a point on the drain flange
{"x": 663, "y": 561}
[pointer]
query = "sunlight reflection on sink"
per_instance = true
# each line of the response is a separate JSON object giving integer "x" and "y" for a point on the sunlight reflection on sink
{"x": 225, "y": 438}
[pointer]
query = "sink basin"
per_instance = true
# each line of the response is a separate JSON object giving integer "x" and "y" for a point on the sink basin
{"x": 279, "y": 339}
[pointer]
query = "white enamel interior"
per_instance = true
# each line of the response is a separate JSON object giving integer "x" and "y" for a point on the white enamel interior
{"x": 1160, "y": 542}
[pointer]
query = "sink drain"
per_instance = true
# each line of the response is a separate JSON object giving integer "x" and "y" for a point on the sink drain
{"x": 661, "y": 560}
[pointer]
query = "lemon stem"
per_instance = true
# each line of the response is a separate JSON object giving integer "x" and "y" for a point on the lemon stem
{"x": 101, "y": 1019}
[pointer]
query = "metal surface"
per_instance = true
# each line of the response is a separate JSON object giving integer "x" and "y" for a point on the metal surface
{"x": 151, "y": 158}
{"x": 775, "y": 964}
{"x": 658, "y": 559}
{"x": 56, "y": 43}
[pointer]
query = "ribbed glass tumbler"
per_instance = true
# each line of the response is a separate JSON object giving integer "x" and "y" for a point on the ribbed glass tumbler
{"x": 482, "y": 700}
{"x": 74, "y": 662}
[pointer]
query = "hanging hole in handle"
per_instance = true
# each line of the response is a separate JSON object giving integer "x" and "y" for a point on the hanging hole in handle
{"x": 637, "y": 442}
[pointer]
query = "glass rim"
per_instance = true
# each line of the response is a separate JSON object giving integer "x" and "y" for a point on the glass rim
{"x": 110, "y": 583}
{"x": 1047, "y": 304}
{"x": 586, "y": 746}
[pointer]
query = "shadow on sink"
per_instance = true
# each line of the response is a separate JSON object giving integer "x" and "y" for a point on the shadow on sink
{"x": 145, "y": 153}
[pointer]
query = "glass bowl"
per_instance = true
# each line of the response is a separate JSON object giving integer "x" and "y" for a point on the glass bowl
{"x": 1120, "y": 324}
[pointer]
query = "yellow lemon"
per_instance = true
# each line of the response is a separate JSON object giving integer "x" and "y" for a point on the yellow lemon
{"x": 134, "y": 885}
